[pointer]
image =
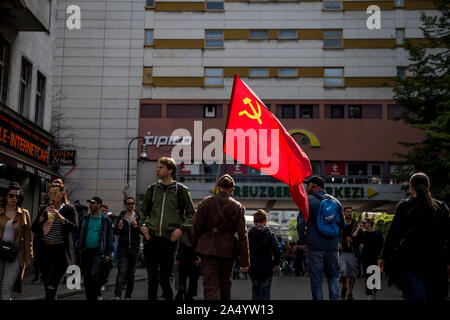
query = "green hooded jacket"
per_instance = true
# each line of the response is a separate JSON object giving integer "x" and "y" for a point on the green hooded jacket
{"x": 165, "y": 215}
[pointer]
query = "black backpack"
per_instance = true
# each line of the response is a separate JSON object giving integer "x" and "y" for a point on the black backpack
{"x": 180, "y": 202}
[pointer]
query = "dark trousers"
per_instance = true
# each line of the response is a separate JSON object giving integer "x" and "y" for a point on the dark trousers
{"x": 126, "y": 270}
{"x": 159, "y": 256}
{"x": 91, "y": 261}
{"x": 261, "y": 289}
{"x": 188, "y": 269}
{"x": 216, "y": 273}
{"x": 105, "y": 269}
{"x": 53, "y": 263}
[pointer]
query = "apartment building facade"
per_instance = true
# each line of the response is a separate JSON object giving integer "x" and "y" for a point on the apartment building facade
{"x": 315, "y": 64}
{"x": 27, "y": 38}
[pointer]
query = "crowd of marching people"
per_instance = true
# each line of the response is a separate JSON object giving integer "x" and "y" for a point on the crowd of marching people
{"x": 212, "y": 241}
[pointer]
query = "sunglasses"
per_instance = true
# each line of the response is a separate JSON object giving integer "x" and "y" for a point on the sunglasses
{"x": 13, "y": 195}
{"x": 130, "y": 203}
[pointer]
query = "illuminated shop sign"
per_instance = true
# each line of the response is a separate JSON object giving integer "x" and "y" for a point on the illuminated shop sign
{"x": 22, "y": 140}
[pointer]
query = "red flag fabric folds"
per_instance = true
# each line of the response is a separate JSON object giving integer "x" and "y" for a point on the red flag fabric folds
{"x": 255, "y": 137}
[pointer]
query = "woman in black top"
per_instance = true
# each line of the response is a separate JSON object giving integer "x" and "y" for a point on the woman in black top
{"x": 53, "y": 228}
{"x": 371, "y": 241}
{"x": 128, "y": 248}
{"x": 419, "y": 238}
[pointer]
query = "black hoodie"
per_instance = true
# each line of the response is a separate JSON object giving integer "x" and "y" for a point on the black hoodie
{"x": 264, "y": 252}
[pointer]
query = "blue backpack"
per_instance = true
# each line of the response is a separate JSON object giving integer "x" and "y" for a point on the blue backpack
{"x": 329, "y": 216}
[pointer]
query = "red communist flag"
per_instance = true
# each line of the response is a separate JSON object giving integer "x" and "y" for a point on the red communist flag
{"x": 255, "y": 137}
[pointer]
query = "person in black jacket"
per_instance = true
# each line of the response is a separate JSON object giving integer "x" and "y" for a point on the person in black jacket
{"x": 53, "y": 229}
{"x": 265, "y": 256}
{"x": 128, "y": 248}
{"x": 418, "y": 240}
{"x": 371, "y": 241}
{"x": 188, "y": 263}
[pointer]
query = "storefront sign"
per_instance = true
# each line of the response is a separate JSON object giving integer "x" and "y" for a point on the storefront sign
{"x": 236, "y": 169}
{"x": 20, "y": 139}
{"x": 280, "y": 192}
{"x": 158, "y": 141}
{"x": 335, "y": 169}
{"x": 63, "y": 157}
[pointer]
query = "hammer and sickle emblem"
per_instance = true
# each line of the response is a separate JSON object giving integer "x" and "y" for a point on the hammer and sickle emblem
{"x": 255, "y": 115}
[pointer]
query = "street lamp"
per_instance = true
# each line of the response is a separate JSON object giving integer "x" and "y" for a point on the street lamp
{"x": 143, "y": 156}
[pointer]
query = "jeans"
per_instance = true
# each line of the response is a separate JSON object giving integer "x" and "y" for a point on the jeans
{"x": 8, "y": 275}
{"x": 321, "y": 262}
{"x": 126, "y": 270}
{"x": 159, "y": 255}
{"x": 261, "y": 289}
{"x": 92, "y": 262}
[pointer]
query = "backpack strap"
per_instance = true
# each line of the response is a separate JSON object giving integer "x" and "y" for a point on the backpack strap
{"x": 318, "y": 197}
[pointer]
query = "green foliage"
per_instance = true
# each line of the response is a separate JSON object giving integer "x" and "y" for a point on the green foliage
{"x": 383, "y": 223}
{"x": 425, "y": 94}
{"x": 292, "y": 231}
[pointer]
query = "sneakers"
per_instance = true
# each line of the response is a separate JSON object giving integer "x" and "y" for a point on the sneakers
{"x": 350, "y": 297}
{"x": 36, "y": 281}
{"x": 100, "y": 298}
{"x": 343, "y": 292}
{"x": 116, "y": 298}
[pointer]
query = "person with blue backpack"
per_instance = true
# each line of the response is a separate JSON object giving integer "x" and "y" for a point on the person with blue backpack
{"x": 321, "y": 235}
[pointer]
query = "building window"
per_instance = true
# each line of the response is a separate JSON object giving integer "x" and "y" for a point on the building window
{"x": 150, "y": 3}
{"x": 287, "y": 72}
{"x": 151, "y": 110}
{"x": 306, "y": 111}
{"x": 355, "y": 112}
{"x": 214, "y": 5}
{"x": 5, "y": 56}
{"x": 259, "y": 34}
{"x": 337, "y": 111}
{"x": 25, "y": 88}
{"x": 287, "y": 34}
{"x": 213, "y": 38}
{"x": 147, "y": 77}
{"x": 334, "y": 77}
{"x": 332, "y": 39}
{"x": 40, "y": 100}
{"x": 357, "y": 169}
{"x": 399, "y": 36}
{"x": 214, "y": 77}
{"x": 288, "y": 111}
{"x": 401, "y": 72}
{"x": 332, "y": 5}
{"x": 149, "y": 37}
{"x": 209, "y": 111}
{"x": 259, "y": 72}
{"x": 399, "y": 3}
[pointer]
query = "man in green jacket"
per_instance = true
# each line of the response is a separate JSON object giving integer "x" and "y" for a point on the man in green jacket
{"x": 167, "y": 209}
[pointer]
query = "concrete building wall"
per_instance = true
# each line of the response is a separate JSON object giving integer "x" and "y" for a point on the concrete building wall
{"x": 99, "y": 73}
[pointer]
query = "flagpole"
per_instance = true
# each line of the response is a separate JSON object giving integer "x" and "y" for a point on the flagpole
{"x": 219, "y": 169}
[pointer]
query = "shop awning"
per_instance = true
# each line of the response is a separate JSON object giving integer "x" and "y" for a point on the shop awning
{"x": 18, "y": 161}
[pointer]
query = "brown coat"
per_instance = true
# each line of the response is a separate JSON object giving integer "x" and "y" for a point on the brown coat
{"x": 216, "y": 238}
{"x": 22, "y": 237}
